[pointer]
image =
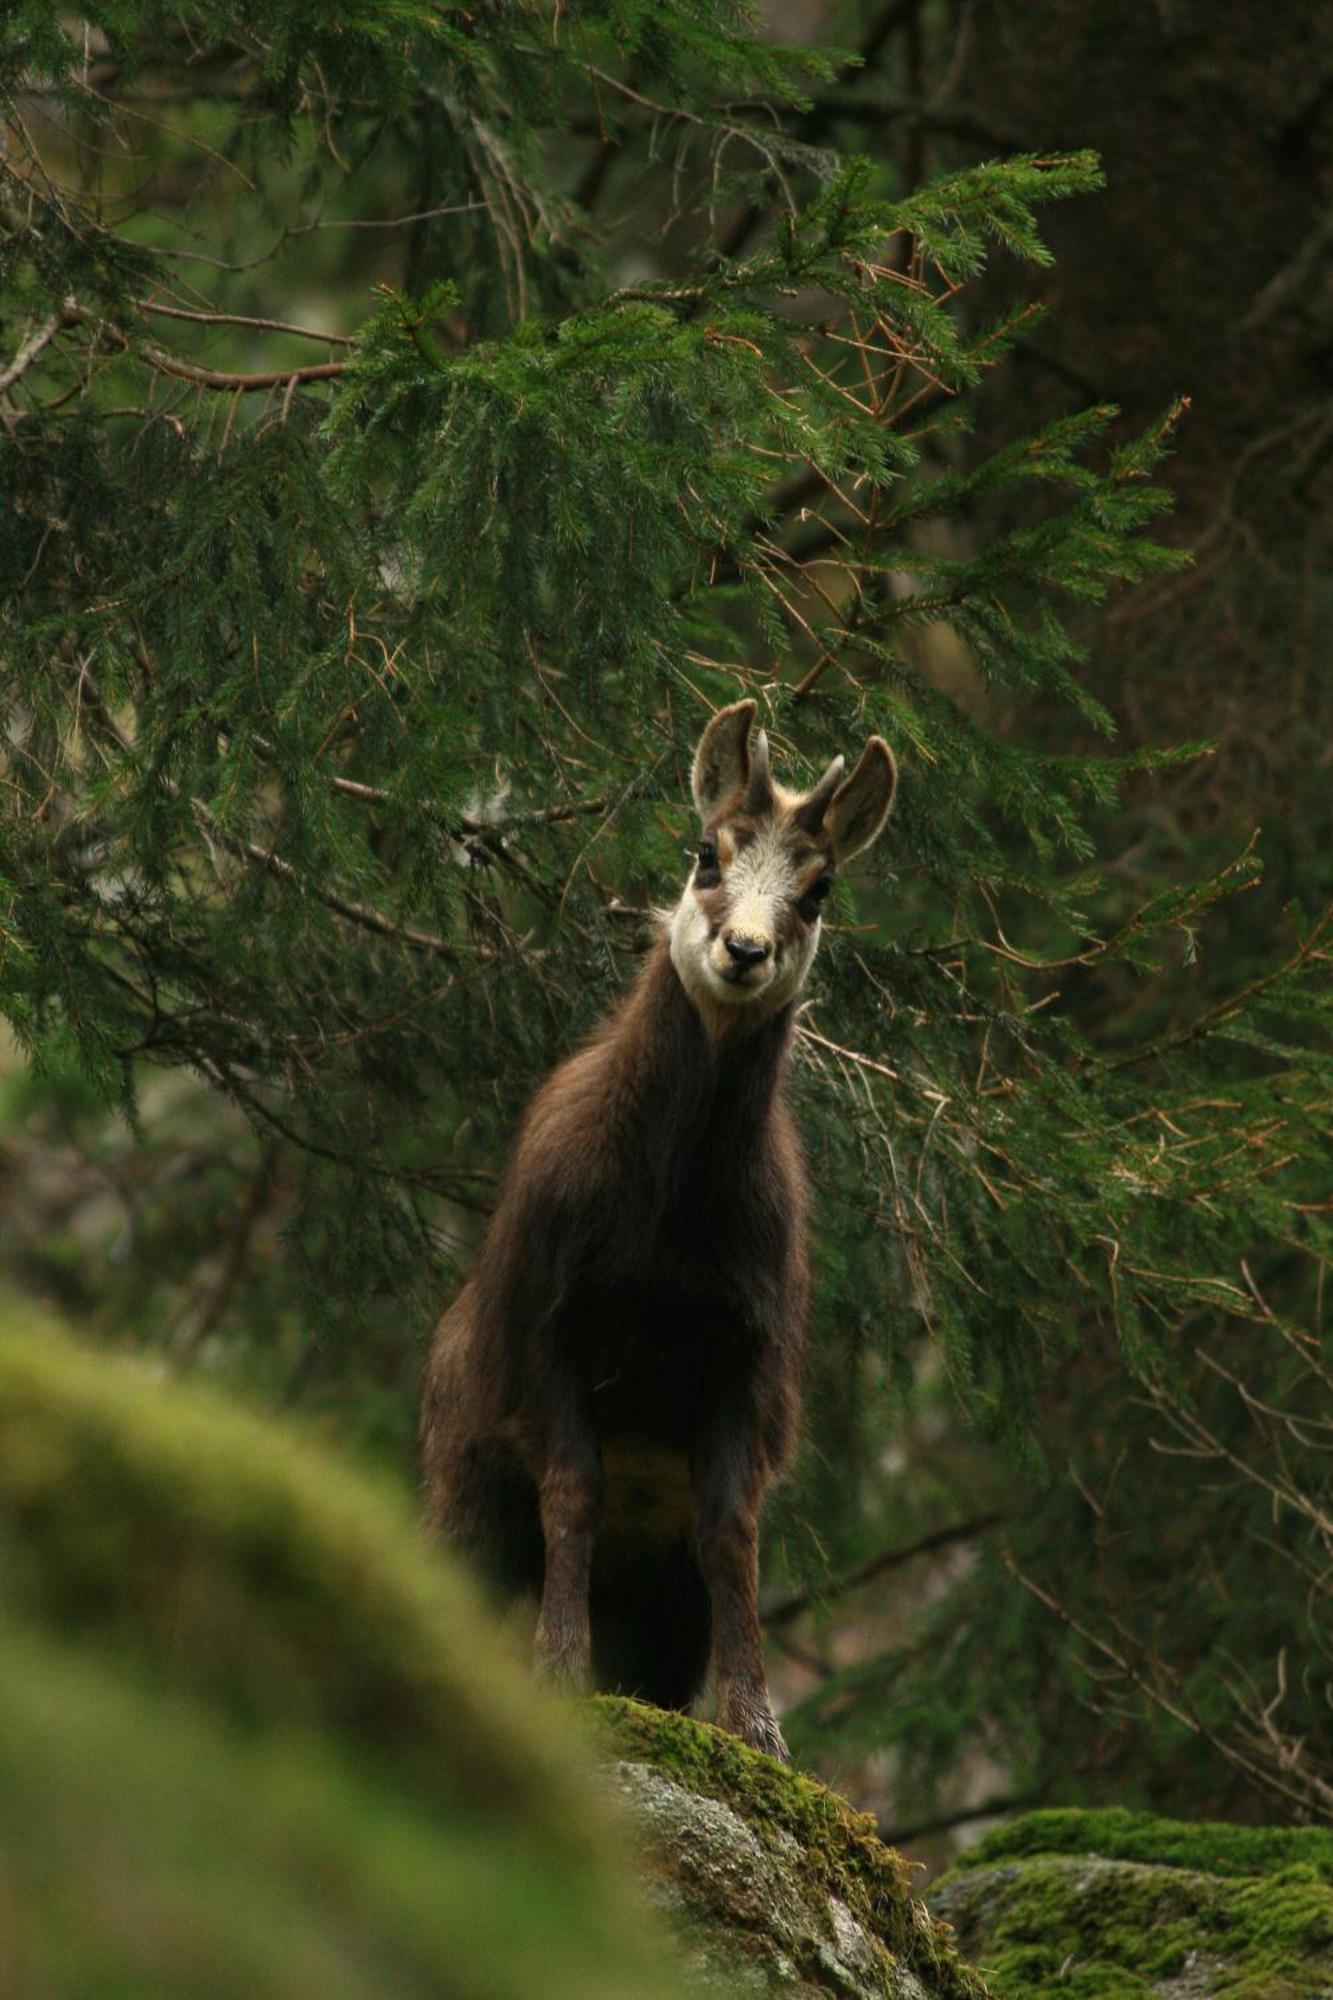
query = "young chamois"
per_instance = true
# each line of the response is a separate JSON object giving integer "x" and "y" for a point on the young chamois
{"x": 616, "y": 1386}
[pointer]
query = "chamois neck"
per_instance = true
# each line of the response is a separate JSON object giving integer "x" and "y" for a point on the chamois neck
{"x": 746, "y": 1055}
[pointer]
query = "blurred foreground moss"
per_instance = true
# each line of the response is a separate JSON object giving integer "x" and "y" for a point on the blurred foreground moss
{"x": 254, "y": 1737}
{"x": 148, "y": 1847}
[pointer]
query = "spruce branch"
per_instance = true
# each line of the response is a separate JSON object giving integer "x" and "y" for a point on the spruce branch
{"x": 823, "y": 113}
{"x": 1274, "y": 1776}
{"x": 1311, "y": 951}
{"x": 361, "y": 914}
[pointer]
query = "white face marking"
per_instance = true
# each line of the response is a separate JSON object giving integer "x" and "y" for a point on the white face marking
{"x": 758, "y": 886}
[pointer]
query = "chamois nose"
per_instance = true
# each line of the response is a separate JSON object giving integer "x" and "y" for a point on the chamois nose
{"x": 746, "y": 951}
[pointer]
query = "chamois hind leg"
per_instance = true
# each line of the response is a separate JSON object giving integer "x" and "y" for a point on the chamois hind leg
{"x": 570, "y": 1491}
{"x": 729, "y": 1491}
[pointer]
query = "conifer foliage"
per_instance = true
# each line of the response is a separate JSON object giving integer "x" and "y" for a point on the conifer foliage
{"x": 413, "y": 422}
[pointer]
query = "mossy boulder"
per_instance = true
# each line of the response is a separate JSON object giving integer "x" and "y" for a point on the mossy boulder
{"x": 255, "y": 1737}
{"x": 775, "y": 1884}
{"x": 1073, "y": 1905}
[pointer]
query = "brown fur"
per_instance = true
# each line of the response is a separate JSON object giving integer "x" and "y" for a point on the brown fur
{"x": 612, "y": 1393}
{"x": 642, "y": 1289}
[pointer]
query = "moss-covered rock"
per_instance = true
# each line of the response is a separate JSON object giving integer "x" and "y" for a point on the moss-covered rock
{"x": 778, "y": 1886}
{"x": 1074, "y": 1905}
{"x": 255, "y": 1738}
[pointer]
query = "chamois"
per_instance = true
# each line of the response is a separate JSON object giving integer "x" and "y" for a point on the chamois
{"x": 616, "y": 1386}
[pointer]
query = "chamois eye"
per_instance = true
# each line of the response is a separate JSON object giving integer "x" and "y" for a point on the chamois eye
{"x": 706, "y": 871}
{"x": 815, "y": 895}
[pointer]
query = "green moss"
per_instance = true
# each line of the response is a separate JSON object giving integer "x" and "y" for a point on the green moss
{"x": 842, "y": 1852}
{"x": 235, "y": 1560}
{"x": 1081, "y": 1905}
{"x": 149, "y": 1850}
{"x": 1171, "y": 1843}
{"x": 255, "y": 1736}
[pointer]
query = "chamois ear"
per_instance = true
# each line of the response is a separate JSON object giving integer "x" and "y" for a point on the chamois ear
{"x": 722, "y": 762}
{"x": 858, "y": 809}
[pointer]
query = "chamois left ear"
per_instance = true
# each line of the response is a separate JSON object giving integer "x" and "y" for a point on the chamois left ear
{"x": 858, "y": 809}
{"x": 722, "y": 763}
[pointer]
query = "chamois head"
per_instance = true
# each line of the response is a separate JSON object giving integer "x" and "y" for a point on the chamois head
{"x": 745, "y": 931}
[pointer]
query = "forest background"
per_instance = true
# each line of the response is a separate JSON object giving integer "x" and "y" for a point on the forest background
{"x": 413, "y": 423}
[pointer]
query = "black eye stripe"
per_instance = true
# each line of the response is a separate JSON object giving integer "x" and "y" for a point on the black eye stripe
{"x": 810, "y": 904}
{"x": 707, "y": 874}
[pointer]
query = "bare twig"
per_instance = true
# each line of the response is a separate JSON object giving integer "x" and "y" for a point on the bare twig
{"x": 806, "y": 1033}
{"x": 791, "y": 1607}
{"x": 387, "y": 221}
{"x": 361, "y": 914}
{"x": 34, "y": 344}
{"x": 461, "y": 824}
{"x": 1119, "y": 1659}
{"x": 218, "y": 378}
{"x": 1002, "y": 1802}
{"x": 160, "y": 311}
{"x": 219, "y": 1294}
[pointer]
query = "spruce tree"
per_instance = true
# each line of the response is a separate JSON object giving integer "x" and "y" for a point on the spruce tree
{"x": 413, "y": 423}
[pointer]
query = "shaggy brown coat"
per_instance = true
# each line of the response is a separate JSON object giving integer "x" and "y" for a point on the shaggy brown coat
{"x": 615, "y": 1388}
{"x": 649, "y": 1251}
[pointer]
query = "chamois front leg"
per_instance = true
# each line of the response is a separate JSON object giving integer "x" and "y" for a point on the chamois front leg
{"x": 729, "y": 1489}
{"x": 571, "y": 1505}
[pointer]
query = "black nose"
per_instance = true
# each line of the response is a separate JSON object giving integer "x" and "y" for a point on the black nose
{"x": 746, "y": 951}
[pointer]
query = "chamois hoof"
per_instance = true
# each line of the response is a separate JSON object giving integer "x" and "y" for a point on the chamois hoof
{"x": 769, "y": 1738}
{"x": 755, "y": 1725}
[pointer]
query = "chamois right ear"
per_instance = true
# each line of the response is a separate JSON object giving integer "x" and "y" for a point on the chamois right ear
{"x": 722, "y": 760}
{"x": 858, "y": 809}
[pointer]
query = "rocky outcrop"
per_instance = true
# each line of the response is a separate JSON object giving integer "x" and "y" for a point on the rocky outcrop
{"x": 255, "y": 1737}
{"x": 773, "y": 1883}
{"x": 1122, "y": 1906}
